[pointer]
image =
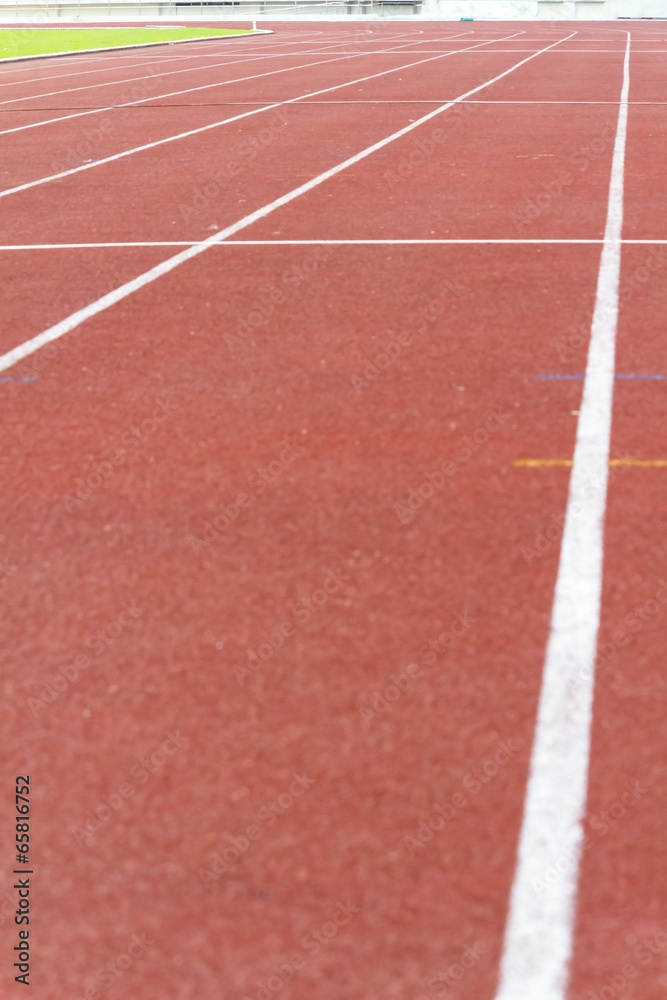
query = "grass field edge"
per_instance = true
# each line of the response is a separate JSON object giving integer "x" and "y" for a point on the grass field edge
{"x": 138, "y": 45}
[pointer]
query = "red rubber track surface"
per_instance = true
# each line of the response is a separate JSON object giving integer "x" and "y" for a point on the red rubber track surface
{"x": 250, "y": 370}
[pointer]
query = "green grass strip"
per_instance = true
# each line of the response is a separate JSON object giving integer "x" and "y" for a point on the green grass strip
{"x": 17, "y": 42}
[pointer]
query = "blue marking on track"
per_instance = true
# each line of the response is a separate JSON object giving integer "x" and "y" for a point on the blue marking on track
{"x": 25, "y": 378}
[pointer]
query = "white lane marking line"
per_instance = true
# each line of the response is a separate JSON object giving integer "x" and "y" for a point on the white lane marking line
{"x": 173, "y": 93}
{"x": 102, "y": 69}
{"x": 251, "y": 56}
{"x": 307, "y": 243}
{"x": 567, "y": 51}
{"x": 191, "y": 90}
{"x": 335, "y": 57}
{"x": 131, "y": 79}
{"x": 540, "y": 924}
{"x": 247, "y": 58}
{"x": 226, "y": 121}
{"x": 81, "y": 315}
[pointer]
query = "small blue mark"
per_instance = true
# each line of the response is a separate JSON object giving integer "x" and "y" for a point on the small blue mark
{"x": 25, "y": 378}
{"x": 631, "y": 375}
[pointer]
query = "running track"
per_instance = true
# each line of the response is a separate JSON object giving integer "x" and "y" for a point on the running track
{"x": 312, "y": 422}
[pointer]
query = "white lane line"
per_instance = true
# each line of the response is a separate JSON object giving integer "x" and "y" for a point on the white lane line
{"x": 227, "y": 121}
{"x": 191, "y": 90}
{"x": 131, "y": 79}
{"x": 317, "y": 243}
{"x": 540, "y": 925}
{"x": 106, "y": 69}
{"x": 248, "y": 57}
{"x": 122, "y": 57}
{"x": 120, "y": 293}
{"x": 568, "y": 51}
{"x": 173, "y": 93}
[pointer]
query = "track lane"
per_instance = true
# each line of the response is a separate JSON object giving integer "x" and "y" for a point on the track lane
{"x": 205, "y": 135}
{"x": 146, "y": 97}
{"x": 622, "y": 911}
{"x": 336, "y": 500}
{"x": 339, "y": 498}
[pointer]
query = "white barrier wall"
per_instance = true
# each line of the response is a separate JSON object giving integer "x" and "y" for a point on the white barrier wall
{"x": 36, "y": 13}
{"x": 568, "y": 10}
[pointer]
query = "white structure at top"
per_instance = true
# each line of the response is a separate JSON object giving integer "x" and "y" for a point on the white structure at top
{"x": 36, "y": 12}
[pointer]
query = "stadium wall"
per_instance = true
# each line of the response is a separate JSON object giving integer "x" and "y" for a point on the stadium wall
{"x": 35, "y": 13}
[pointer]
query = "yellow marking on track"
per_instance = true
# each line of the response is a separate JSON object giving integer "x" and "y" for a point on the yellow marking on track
{"x": 648, "y": 463}
{"x": 533, "y": 462}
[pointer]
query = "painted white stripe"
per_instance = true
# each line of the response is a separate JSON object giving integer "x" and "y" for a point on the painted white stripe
{"x": 539, "y": 932}
{"x": 91, "y": 71}
{"x": 226, "y": 121}
{"x": 308, "y": 243}
{"x": 305, "y": 100}
{"x": 98, "y": 85}
{"x": 335, "y": 57}
{"x": 103, "y": 303}
{"x": 173, "y": 93}
{"x": 252, "y": 56}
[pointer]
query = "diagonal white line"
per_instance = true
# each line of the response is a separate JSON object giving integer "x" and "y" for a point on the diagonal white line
{"x": 227, "y": 121}
{"x": 89, "y": 71}
{"x": 334, "y": 57}
{"x": 539, "y": 932}
{"x": 318, "y": 243}
{"x": 248, "y": 57}
{"x": 99, "y": 84}
{"x": 256, "y": 57}
{"x": 79, "y": 317}
{"x": 178, "y": 93}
